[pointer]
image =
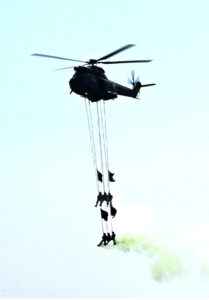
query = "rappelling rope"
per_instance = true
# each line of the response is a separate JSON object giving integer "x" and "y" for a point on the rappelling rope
{"x": 100, "y": 144}
{"x": 91, "y": 135}
{"x": 100, "y": 131}
{"x": 103, "y": 133}
{"x": 103, "y": 129}
{"x": 103, "y": 113}
{"x": 103, "y": 144}
{"x": 93, "y": 148}
{"x": 107, "y": 157}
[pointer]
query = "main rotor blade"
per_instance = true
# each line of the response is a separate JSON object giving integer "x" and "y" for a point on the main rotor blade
{"x": 116, "y": 51}
{"x": 56, "y": 57}
{"x": 60, "y": 69}
{"x": 124, "y": 61}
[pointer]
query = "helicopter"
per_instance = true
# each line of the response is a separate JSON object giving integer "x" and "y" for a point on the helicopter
{"x": 90, "y": 81}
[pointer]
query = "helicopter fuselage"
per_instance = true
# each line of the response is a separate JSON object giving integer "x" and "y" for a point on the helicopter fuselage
{"x": 91, "y": 83}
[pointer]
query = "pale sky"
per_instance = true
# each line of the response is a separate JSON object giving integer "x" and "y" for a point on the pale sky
{"x": 158, "y": 148}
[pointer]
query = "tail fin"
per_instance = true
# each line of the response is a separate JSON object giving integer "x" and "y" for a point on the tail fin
{"x": 136, "y": 88}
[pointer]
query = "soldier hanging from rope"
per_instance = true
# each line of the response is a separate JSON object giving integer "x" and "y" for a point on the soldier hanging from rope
{"x": 107, "y": 237}
{"x": 104, "y": 177}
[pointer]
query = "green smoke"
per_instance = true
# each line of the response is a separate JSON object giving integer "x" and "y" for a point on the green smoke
{"x": 138, "y": 243}
{"x": 167, "y": 264}
{"x": 205, "y": 270}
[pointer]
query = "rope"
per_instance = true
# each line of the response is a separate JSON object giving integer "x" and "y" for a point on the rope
{"x": 89, "y": 119}
{"x": 103, "y": 128}
{"x": 107, "y": 157}
{"x": 92, "y": 134}
{"x": 100, "y": 129}
{"x": 102, "y": 225}
{"x": 100, "y": 144}
{"x": 105, "y": 144}
{"x": 104, "y": 160}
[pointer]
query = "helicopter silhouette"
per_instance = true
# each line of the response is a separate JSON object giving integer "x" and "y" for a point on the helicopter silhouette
{"x": 90, "y": 81}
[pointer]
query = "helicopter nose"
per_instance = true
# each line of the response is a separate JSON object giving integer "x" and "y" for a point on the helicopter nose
{"x": 72, "y": 83}
{"x": 76, "y": 86}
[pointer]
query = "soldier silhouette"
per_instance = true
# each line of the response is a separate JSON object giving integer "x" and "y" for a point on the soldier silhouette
{"x": 99, "y": 199}
{"x": 109, "y": 198}
{"x": 104, "y": 240}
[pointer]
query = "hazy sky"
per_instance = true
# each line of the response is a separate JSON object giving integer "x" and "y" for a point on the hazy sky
{"x": 158, "y": 148}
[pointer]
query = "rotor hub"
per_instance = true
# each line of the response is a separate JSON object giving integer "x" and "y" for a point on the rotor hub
{"x": 92, "y": 61}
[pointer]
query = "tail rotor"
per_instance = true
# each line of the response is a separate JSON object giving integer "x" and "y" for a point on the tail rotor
{"x": 133, "y": 81}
